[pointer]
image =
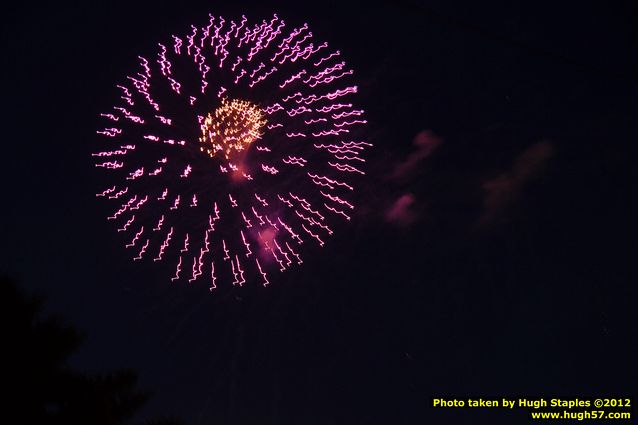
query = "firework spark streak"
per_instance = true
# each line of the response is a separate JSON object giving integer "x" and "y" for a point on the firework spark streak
{"x": 233, "y": 151}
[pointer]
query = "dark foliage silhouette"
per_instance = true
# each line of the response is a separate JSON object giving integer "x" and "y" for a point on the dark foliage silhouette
{"x": 41, "y": 387}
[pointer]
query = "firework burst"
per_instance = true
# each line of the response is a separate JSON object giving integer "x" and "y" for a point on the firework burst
{"x": 233, "y": 151}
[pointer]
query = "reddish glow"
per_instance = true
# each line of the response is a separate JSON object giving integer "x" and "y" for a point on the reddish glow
{"x": 249, "y": 155}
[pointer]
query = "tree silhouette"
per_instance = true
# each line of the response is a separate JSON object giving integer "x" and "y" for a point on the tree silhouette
{"x": 41, "y": 387}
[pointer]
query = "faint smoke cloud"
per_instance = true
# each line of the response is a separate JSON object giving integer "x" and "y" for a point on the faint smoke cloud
{"x": 504, "y": 189}
{"x": 425, "y": 143}
{"x": 402, "y": 211}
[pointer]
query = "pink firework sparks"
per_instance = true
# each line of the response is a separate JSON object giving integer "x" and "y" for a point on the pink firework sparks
{"x": 230, "y": 155}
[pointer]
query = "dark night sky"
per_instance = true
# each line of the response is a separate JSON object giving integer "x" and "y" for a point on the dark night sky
{"x": 509, "y": 273}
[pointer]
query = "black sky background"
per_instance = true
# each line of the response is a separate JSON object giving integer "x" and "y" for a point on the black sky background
{"x": 533, "y": 297}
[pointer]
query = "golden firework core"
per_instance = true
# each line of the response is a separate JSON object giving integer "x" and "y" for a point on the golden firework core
{"x": 231, "y": 128}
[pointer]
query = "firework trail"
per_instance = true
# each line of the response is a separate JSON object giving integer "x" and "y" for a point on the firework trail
{"x": 233, "y": 150}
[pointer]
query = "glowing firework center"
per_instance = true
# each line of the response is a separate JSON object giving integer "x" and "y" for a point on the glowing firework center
{"x": 233, "y": 126}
